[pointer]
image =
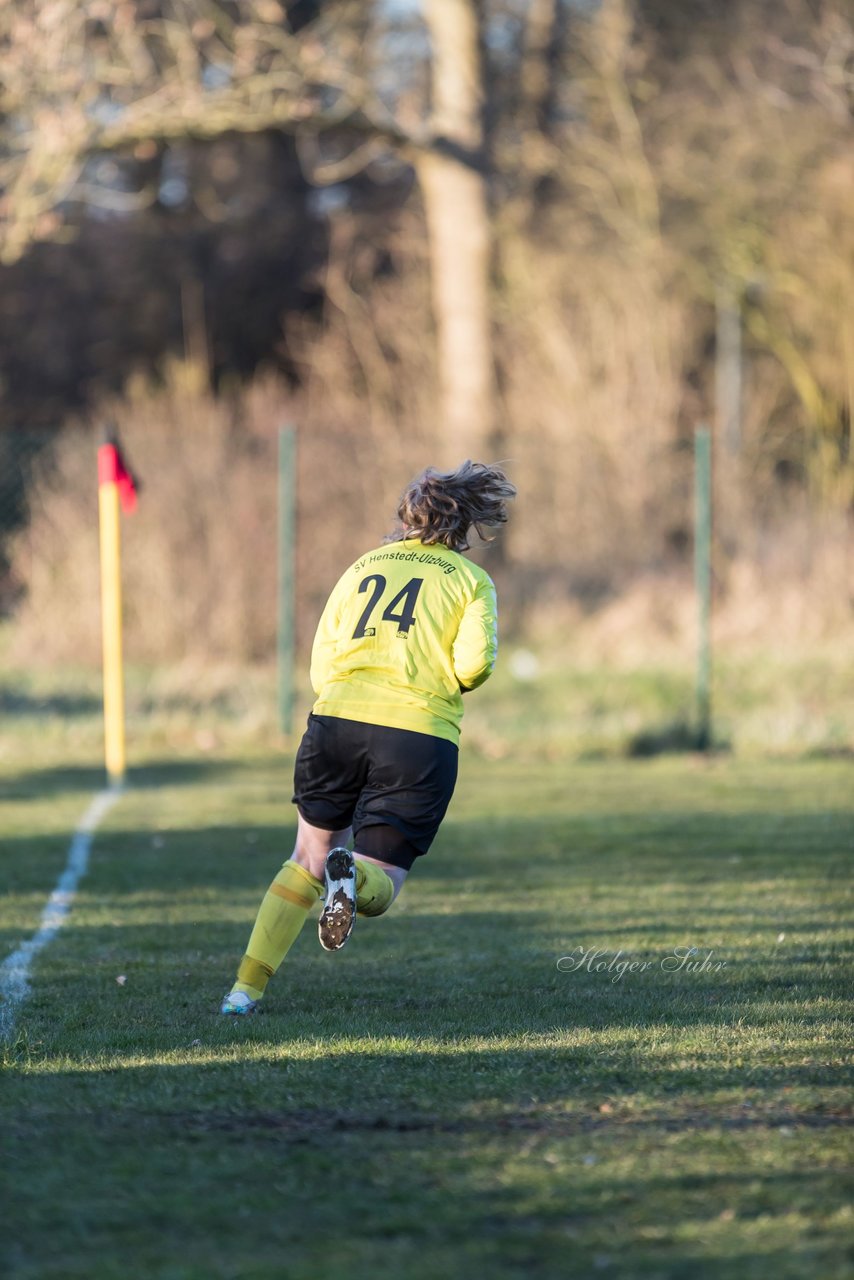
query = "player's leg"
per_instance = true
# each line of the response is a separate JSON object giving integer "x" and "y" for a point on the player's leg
{"x": 326, "y": 784}
{"x": 354, "y": 884}
{"x": 331, "y": 770}
{"x": 282, "y": 914}
{"x": 374, "y": 897}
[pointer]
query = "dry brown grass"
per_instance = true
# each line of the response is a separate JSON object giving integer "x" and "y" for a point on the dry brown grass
{"x": 585, "y": 571}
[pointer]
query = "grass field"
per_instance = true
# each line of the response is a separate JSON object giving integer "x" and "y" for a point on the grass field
{"x": 454, "y": 1094}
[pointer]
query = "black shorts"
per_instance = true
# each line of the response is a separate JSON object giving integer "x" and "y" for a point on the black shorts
{"x": 392, "y": 786}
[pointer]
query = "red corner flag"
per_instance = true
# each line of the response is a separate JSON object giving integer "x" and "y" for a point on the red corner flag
{"x": 113, "y": 470}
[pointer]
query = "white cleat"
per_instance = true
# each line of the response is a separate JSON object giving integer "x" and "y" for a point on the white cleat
{"x": 339, "y": 908}
{"x": 238, "y": 1002}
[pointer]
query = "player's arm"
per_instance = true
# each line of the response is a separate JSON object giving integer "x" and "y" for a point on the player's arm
{"x": 326, "y": 637}
{"x": 476, "y": 644}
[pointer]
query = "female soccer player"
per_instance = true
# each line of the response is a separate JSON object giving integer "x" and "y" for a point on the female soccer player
{"x": 408, "y": 629}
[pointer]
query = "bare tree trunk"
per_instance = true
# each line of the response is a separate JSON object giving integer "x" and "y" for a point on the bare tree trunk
{"x": 453, "y": 184}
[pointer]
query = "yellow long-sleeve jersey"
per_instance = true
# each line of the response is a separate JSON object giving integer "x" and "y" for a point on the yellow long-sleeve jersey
{"x": 405, "y": 627}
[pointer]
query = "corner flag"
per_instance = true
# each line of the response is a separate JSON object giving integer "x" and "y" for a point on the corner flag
{"x": 116, "y": 485}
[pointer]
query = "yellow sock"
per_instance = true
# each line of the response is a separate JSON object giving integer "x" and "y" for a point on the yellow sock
{"x": 374, "y": 889}
{"x": 280, "y": 918}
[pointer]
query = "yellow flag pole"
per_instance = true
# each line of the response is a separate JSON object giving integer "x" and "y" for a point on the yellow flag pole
{"x": 111, "y": 614}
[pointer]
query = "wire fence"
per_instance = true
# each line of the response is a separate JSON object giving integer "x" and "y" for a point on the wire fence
{"x": 199, "y": 570}
{"x": 201, "y": 553}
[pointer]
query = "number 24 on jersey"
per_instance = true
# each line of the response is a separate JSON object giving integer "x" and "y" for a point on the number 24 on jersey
{"x": 401, "y": 609}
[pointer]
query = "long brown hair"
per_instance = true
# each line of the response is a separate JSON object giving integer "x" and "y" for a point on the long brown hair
{"x": 442, "y": 506}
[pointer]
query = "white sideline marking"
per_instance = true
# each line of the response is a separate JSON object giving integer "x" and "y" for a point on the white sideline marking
{"x": 15, "y": 969}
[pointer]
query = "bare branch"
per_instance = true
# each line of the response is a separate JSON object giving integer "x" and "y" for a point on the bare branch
{"x": 84, "y": 79}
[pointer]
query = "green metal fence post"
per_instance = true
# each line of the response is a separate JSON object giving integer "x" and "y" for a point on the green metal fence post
{"x": 286, "y": 575}
{"x": 703, "y": 580}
